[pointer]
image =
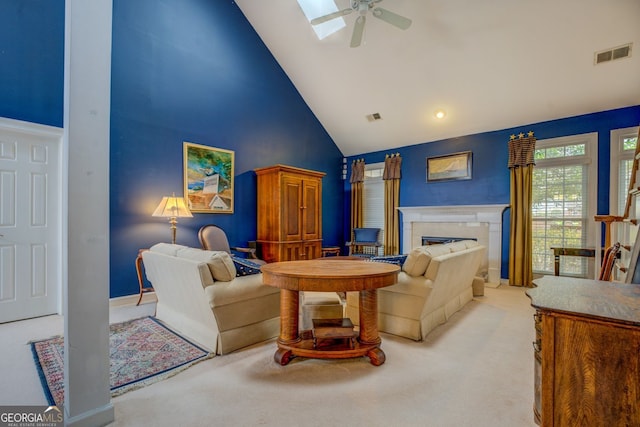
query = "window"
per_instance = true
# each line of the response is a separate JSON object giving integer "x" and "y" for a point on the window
{"x": 316, "y": 8}
{"x": 374, "y": 197}
{"x": 564, "y": 201}
{"x": 623, "y": 146}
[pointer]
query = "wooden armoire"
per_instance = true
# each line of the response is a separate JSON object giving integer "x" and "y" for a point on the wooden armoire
{"x": 289, "y": 213}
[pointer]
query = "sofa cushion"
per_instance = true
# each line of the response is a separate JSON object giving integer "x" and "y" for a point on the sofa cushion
{"x": 457, "y": 246}
{"x": 237, "y": 290}
{"x": 167, "y": 248}
{"x": 219, "y": 262}
{"x": 244, "y": 267}
{"x": 461, "y": 245}
{"x": 471, "y": 243}
{"x": 419, "y": 258}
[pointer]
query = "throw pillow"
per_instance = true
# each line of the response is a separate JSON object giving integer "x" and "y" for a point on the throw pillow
{"x": 219, "y": 262}
{"x": 390, "y": 259}
{"x": 417, "y": 262}
{"x": 244, "y": 267}
{"x": 419, "y": 258}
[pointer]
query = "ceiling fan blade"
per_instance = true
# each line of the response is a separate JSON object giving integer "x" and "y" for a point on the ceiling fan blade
{"x": 392, "y": 18}
{"x": 329, "y": 17}
{"x": 358, "y": 29}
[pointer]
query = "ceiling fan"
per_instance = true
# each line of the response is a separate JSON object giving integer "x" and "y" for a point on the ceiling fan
{"x": 362, "y": 7}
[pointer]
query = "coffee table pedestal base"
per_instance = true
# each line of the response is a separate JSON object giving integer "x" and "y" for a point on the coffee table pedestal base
{"x": 305, "y": 348}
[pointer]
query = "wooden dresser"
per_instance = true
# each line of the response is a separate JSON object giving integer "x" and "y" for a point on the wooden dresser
{"x": 289, "y": 213}
{"x": 587, "y": 352}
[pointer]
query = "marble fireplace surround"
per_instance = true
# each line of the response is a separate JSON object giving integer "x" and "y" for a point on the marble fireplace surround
{"x": 482, "y": 222}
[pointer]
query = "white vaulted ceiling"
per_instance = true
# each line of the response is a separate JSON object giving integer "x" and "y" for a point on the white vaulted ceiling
{"x": 489, "y": 64}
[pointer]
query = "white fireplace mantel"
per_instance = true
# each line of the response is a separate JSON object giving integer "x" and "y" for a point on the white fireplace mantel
{"x": 483, "y": 222}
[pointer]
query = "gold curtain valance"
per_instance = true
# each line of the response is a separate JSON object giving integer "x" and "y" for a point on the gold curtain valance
{"x": 392, "y": 165}
{"x": 522, "y": 150}
{"x": 357, "y": 171}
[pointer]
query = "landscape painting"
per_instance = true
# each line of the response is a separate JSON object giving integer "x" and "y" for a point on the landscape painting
{"x": 208, "y": 178}
{"x": 451, "y": 166}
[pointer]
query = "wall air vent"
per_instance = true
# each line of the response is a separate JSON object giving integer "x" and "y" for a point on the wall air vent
{"x": 612, "y": 54}
{"x": 373, "y": 117}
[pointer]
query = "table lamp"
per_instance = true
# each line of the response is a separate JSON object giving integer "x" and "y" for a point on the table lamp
{"x": 172, "y": 207}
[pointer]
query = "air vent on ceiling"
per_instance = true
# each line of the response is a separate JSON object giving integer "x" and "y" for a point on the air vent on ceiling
{"x": 373, "y": 117}
{"x": 612, "y": 54}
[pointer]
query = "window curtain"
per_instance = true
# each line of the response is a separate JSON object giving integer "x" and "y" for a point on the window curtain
{"x": 391, "y": 177}
{"x": 357, "y": 189}
{"x": 521, "y": 163}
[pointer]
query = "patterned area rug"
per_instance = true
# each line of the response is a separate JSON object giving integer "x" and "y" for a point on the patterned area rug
{"x": 142, "y": 351}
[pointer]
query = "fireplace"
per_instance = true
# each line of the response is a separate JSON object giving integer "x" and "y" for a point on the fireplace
{"x": 433, "y": 240}
{"x": 478, "y": 222}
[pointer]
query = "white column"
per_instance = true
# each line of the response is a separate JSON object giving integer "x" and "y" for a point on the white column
{"x": 86, "y": 231}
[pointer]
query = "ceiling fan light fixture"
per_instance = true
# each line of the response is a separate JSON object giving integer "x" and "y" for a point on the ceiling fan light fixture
{"x": 362, "y": 7}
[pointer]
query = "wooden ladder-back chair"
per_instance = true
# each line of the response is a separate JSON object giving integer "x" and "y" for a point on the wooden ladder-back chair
{"x": 608, "y": 262}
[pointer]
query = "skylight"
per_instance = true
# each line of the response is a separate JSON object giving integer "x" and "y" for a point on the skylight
{"x": 315, "y": 8}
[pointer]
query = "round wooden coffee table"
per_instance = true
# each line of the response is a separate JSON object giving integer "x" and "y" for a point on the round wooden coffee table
{"x": 336, "y": 276}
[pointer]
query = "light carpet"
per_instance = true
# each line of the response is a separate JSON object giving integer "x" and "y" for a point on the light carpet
{"x": 142, "y": 351}
{"x": 476, "y": 370}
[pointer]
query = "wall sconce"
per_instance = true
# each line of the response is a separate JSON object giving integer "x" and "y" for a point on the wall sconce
{"x": 172, "y": 207}
{"x": 344, "y": 168}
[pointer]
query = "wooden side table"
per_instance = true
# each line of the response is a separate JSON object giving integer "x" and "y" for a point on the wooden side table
{"x": 557, "y": 252}
{"x": 331, "y": 250}
{"x": 139, "y": 267}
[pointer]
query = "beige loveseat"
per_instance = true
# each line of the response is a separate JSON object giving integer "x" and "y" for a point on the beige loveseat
{"x": 435, "y": 282}
{"x": 200, "y": 297}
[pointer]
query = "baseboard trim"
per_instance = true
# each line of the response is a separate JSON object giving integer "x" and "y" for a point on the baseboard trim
{"x": 148, "y": 297}
{"x": 96, "y": 417}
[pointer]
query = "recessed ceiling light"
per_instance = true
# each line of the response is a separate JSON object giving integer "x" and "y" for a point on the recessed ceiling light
{"x": 440, "y": 114}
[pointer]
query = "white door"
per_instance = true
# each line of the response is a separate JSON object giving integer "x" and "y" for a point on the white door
{"x": 30, "y": 234}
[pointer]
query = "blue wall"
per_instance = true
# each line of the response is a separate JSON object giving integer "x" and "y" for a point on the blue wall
{"x": 196, "y": 71}
{"x": 32, "y": 60}
{"x": 490, "y": 176}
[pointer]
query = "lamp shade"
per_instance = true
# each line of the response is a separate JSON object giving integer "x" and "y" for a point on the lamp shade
{"x": 172, "y": 206}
